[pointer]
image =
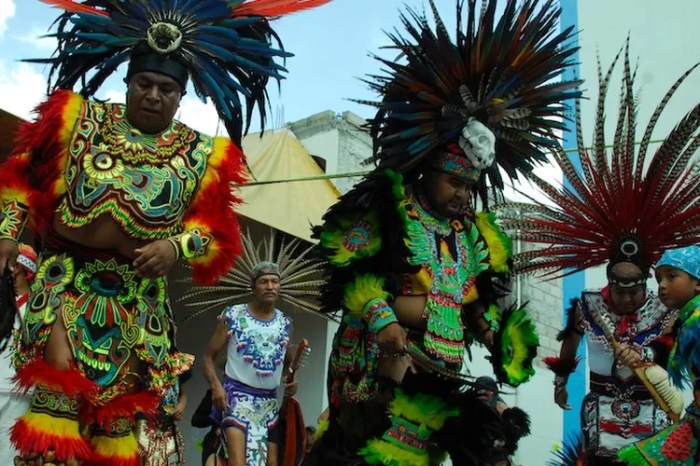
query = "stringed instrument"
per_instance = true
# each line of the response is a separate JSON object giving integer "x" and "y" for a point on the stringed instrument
{"x": 293, "y": 445}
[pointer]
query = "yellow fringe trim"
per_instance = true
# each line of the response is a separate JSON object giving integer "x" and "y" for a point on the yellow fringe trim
{"x": 219, "y": 150}
{"x": 500, "y": 245}
{"x": 382, "y": 452}
{"x": 364, "y": 289}
{"x": 115, "y": 447}
{"x": 423, "y": 409}
{"x": 42, "y": 423}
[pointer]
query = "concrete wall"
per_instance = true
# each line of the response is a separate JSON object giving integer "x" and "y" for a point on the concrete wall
{"x": 664, "y": 40}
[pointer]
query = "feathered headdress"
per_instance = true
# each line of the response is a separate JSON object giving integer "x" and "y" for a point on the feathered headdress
{"x": 497, "y": 73}
{"x": 299, "y": 274}
{"x": 225, "y": 45}
{"x": 619, "y": 206}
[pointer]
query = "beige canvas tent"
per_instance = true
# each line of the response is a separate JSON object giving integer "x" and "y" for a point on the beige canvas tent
{"x": 292, "y": 207}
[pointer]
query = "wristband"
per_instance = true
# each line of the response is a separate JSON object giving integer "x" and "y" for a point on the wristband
{"x": 378, "y": 315}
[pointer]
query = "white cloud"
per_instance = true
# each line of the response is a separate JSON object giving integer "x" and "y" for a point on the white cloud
{"x": 36, "y": 37}
{"x": 7, "y": 11}
{"x": 200, "y": 116}
{"x": 21, "y": 88}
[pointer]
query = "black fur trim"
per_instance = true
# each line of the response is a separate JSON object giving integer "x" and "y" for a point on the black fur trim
{"x": 570, "y": 328}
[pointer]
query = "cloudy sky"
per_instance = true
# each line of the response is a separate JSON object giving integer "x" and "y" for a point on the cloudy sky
{"x": 330, "y": 44}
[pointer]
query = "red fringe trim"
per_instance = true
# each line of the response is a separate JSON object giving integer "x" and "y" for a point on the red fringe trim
{"x": 43, "y": 138}
{"x": 561, "y": 367}
{"x": 71, "y": 382}
{"x": 29, "y": 440}
{"x": 218, "y": 197}
{"x": 103, "y": 460}
{"x": 127, "y": 406}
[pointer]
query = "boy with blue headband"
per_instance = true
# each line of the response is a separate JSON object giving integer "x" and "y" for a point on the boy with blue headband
{"x": 678, "y": 275}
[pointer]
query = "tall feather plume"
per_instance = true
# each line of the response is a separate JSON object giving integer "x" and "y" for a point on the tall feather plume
{"x": 228, "y": 47}
{"x": 615, "y": 208}
{"x": 498, "y": 70}
{"x": 300, "y": 278}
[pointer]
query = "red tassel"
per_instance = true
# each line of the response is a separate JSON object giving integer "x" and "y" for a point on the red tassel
{"x": 71, "y": 382}
{"x": 127, "y": 406}
{"x": 561, "y": 367}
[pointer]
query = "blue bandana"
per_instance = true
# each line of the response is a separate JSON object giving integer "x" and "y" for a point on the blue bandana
{"x": 686, "y": 259}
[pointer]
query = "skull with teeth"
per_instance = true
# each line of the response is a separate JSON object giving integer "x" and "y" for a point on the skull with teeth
{"x": 478, "y": 144}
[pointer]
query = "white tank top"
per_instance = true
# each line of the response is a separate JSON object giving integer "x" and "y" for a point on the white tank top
{"x": 256, "y": 348}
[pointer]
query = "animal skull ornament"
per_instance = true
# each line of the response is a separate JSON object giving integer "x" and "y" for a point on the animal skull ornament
{"x": 478, "y": 144}
{"x": 164, "y": 37}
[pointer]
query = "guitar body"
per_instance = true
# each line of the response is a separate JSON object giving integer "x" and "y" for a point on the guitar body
{"x": 293, "y": 440}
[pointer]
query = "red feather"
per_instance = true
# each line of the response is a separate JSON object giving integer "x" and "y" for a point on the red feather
{"x": 74, "y": 7}
{"x": 273, "y": 8}
{"x": 611, "y": 201}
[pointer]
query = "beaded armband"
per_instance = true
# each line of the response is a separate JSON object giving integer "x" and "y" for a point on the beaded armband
{"x": 13, "y": 217}
{"x": 378, "y": 315}
{"x": 190, "y": 244}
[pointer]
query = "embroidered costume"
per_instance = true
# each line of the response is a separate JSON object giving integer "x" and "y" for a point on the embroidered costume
{"x": 618, "y": 408}
{"x": 83, "y": 165}
{"x": 441, "y": 111}
{"x": 255, "y": 358}
{"x": 608, "y": 211}
{"x": 677, "y": 445}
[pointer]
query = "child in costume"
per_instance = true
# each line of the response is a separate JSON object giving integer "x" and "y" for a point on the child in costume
{"x": 678, "y": 275}
{"x": 607, "y": 211}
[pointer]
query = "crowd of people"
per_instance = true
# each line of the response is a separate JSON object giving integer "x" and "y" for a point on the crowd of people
{"x": 416, "y": 259}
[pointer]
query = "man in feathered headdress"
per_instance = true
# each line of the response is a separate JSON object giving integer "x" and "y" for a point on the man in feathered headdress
{"x": 409, "y": 262}
{"x": 614, "y": 211}
{"x": 118, "y": 193}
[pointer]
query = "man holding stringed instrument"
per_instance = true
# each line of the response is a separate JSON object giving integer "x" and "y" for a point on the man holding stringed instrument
{"x": 622, "y": 208}
{"x": 255, "y": 337}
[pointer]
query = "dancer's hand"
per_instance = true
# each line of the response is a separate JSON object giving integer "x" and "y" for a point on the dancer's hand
{"x": 561, "y": 397}
{"x": 392, "y": 339}
{"x": 291, "y": 388}
{"x": 179, "y": 411}
{"x": 9, "y": 250}
{"x": 219, "y": 397}
{"x": 155, "y": 259}
{"x": 628, "y": 355}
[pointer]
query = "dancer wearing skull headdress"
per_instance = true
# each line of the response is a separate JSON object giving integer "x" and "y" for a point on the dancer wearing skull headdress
{"x": 115, "y": 194}
{"x": 615, "y": 211}
{"x": 410, "y": 262}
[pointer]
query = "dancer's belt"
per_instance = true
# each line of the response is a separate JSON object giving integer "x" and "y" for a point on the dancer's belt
{"x": 615, "y": 388}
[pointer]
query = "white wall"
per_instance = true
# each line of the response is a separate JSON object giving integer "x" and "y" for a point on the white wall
{"x": 664, "y": 40}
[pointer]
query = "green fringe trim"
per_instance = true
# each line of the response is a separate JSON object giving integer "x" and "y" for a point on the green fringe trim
{"x": 500, "y": 245}
{"x": 364, "y": 289}
{"x": 321, "y": 428}
{"x": 632, "y": 456}
{"x": 422, "y": 409}
{"x": 493, "y": 317}
{"x": 519, "y": 347}
{"x": 388, "y": 454}
{"x": 333, "y": 238}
